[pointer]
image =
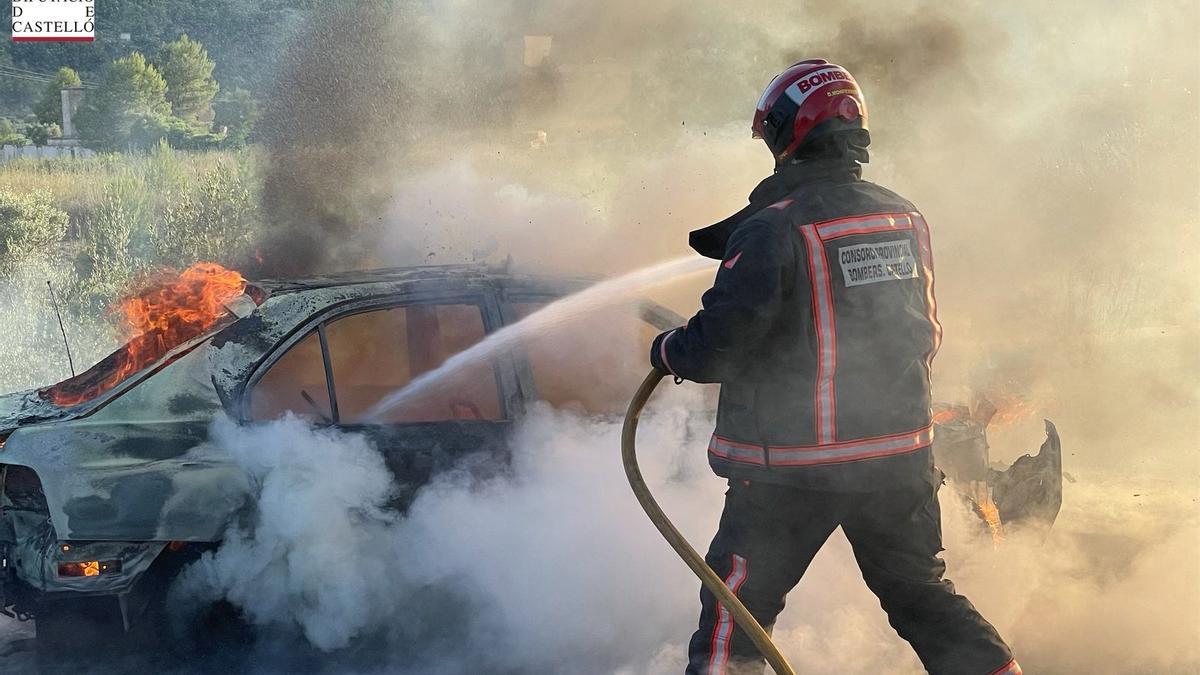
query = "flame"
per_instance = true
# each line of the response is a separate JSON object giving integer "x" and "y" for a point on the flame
{"x": 992, "y": 411}
{"x": 948, "y": 415}
{"x": 982, "y": 498}
{"x": 168, "y": 311}
{"x": 1011, "y": 409}
{"x": 991, "y": 516}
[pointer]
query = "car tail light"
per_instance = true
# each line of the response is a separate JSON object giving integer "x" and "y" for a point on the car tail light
{"x": 89, "y": 568}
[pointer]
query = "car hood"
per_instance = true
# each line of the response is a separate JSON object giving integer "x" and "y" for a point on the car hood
{"x": 26, "y": 407}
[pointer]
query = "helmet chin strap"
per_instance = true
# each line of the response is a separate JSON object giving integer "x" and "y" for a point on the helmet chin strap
{"x": 836, "y": 143}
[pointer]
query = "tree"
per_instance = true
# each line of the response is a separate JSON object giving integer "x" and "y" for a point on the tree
{"x": 49, "y": 107}
{"x": 132, "y": 97}
{"x": 188, "y": 71}
{"x": 237, "y": 111}
{"x": 9, "y": 134}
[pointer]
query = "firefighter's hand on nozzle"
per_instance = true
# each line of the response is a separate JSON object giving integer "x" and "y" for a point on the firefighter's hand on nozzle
{"x": 657, "y": 357}
{"x": 656, "y": 354}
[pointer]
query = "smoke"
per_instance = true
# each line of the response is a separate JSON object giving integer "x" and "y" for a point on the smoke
{"x": 310, "y": 528}
{"x": 1052, "y": 148}
{"x": 551, "y": 567}
{"x": 545, "y": 568}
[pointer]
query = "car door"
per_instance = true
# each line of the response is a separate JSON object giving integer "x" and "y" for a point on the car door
{"x": 342, "y": 365}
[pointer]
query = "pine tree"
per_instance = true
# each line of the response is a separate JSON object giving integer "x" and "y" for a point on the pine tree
{"x": 49, "y": 107}
{"x": 188, "y": 71}
{"x": 131, "y": 98}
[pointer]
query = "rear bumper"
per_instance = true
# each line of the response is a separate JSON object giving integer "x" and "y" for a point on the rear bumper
{"x": 35, "y": 561}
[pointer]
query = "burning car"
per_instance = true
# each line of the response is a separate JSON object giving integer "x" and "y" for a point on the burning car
{"x": 102, "y": 500}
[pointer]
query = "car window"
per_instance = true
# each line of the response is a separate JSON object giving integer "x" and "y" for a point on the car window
{"x": 296, "y": 383}
{"x": 372, "y": 354}
{"x": 375, "y": 353}
{"x": 590, "y": 364}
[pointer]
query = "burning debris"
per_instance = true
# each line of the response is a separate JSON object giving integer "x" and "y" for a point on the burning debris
{"x": 167, "y": 311}
{"x": 1028, "y": 491}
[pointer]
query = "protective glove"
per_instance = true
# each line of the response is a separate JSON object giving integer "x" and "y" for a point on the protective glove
{"x": 658, "y": 355}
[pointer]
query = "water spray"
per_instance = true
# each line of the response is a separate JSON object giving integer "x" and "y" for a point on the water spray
{"x": 603, "y": 294}
{"x": 742, "y": 616}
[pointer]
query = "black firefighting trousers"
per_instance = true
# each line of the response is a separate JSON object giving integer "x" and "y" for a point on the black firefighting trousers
{"x": 770, "y": 533}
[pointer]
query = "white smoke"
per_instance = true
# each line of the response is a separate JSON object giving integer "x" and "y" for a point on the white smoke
{"x": 312, "y": 556}
{"x": 537, "y": 570}
{"x": 552, "y": 567}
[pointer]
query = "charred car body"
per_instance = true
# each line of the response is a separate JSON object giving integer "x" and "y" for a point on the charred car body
{"x": 102, "y": 499}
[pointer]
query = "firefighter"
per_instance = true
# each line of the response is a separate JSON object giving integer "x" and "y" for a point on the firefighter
{"x": 821, "y": 327}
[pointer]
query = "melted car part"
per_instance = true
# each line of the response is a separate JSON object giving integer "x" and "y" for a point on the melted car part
{"x": 1031, "y": 489}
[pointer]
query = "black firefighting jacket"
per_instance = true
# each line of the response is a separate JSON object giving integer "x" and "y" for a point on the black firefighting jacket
{"x": 821, "y": 328}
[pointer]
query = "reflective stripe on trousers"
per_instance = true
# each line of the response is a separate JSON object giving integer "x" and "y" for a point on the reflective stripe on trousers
{"x": 827, "y": 453}
{"x": 722, "y": 638}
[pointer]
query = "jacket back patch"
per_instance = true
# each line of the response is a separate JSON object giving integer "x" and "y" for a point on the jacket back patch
{"x": 877, "y": 261}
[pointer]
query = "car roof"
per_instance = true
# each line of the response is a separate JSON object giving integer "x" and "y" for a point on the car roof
{"x": 500, "y": 275}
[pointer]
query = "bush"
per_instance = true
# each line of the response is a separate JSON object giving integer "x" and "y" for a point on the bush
{"x": 30, "y": 228}
{"x": 40, "y": 134}
{"x": 236, "y": 112}
{"x": 170, "y": 209}
{"x": 105, "y": 265}
{"x": 214, "y": 220}
{"x": 9, "y": 134}
{"x": 148, "y": 132}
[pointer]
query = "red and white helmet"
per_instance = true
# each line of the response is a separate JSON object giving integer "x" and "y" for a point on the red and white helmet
{"x": 802, "y": 97}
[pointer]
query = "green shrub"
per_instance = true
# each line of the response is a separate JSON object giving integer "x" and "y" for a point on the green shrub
{"x": 40, "y": 134}
{"x": 130, "y": 214}
{"x": 31, "y": 228}
{"x": 236, "y": 113}
{"x": 104, "y": 266}
{"x": 9, "y": 134}
{"x": 214, "y": 220}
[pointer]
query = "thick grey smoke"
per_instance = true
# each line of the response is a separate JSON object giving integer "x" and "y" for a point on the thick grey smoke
{"x": 1052, "y": 148}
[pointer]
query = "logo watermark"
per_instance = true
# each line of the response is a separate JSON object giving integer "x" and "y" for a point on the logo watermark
{"x": 53, "y": 20}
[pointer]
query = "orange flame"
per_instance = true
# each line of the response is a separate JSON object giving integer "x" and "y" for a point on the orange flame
{"x": 982, "y": 498}
{"x": 169, "y": 310}
{"x": 991, "y": 411}
{"x": 1011, "y": 409}
{"x": 991, "y": 516}
{"x": 949, "y": 415}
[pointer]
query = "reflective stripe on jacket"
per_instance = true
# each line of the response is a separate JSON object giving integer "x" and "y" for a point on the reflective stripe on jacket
{"x": 821, "y": 327}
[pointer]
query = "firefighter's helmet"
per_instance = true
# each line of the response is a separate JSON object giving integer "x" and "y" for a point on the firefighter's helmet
{"x": 803, "y": 97}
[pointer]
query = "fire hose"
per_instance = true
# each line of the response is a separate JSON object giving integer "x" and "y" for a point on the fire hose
{"x": 742, "y": 616}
